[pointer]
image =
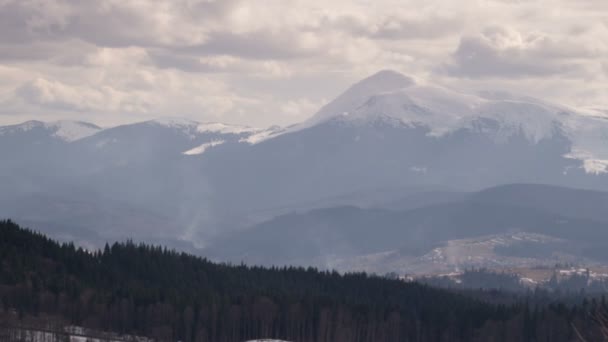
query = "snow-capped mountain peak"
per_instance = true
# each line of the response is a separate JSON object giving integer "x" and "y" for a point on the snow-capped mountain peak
{"x": 65, "y": 130}
{"x": 386, "y": 95}
{"x": 23, "y": 127}
{"x": 398, "y": 100}
{"x": 359, "y": 93}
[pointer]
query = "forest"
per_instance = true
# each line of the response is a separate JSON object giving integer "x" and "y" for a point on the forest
{"x": 165, "y": 295}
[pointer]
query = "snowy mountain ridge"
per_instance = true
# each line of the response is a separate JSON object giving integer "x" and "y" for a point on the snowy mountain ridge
{"x": 400, "y": 101}
{"x": 211, "y": 127}
{"x": 65, "y": 130}
{"x": 397, "y": 100}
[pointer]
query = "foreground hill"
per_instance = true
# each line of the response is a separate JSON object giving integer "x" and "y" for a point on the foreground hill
{"x": 151, "y": 291}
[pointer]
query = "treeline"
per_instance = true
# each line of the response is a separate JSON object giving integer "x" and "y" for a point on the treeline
{"x": 151, "y": 291}
{"x": 573, "y": 284}
{"x": 478, "y": 279}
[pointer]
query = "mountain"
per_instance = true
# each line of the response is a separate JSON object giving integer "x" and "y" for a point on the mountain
{"x": 34, "y": 131}
{"x": 576, "y": 203}
{"x": 389, "y": 131}
{"x": 490, "y": 228}
{"x": 35, "y": 139}
{"x": 140, "y": 177}
{"x": 30, "y": 152}
{"x": 389, "y": 96}
{"x": 386, "y": 139}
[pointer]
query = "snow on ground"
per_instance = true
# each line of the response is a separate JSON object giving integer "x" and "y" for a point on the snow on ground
{"x": 262, "y": 135}
{"x": 193, "y": 128}
{"x": 174, "y": 122}
{"x": 216, "y": 127}
{"x": 24, "y": 127}
{"x": 72, "y": 130}
{"x": 202, "y": 148}
{"x": 65, "y": 130}
{"x": 590, "y": 164}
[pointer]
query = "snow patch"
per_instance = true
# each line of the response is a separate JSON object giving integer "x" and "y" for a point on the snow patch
{"x": 262, "y": 135}
{"x": 72, "y": 130}
{"x": 595, "y": 166}
{"x": 24, "y": 127}
{"x": 217, "y": 127}
{"x": 202, "y": 148}
{"x": 591, "y": 165}
{"x": 258, "y": 137}
{"x": 175, "y": 122}
{"x": 528, "y": 281}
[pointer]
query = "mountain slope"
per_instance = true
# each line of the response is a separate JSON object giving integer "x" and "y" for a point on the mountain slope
{"x": 324, "y": 237}
{"x": 576, "y": 203}
{"x": 168, "y": 296}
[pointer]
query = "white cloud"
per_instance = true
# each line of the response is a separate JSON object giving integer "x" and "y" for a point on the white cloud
{"x": 273, "y": 61}
{"x": 300, "y": 108}
{"x": 57, "y": 95}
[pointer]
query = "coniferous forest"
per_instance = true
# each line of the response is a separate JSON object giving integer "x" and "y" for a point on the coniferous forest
{"x": 169, "y": 296}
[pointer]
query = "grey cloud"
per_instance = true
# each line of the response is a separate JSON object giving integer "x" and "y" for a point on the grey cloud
{"x": 61, "y": 53}
{"x": 115, "y": 26}
{"x": 210, "y": 9}
{"x": 254, "y": 45}
{"x": 397, "y": 27}
{"x": 169, "y": 60}
{"x": 486, "y": 56}
{"x": 14, "y": 18}
{"x": 37, "y": 92}
{"x": 432, "y": 27}
{"x": 105, "y": 23}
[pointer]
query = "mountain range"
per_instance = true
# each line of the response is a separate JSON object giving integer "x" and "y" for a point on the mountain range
{"x": 393, "y": 165}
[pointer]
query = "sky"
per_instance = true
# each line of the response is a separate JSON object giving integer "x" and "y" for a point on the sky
{"x": 275, "y": 62}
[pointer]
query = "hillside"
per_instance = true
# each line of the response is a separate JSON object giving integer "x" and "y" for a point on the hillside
{"x": 154, "y": 292}
{"x": 507, "y": 226}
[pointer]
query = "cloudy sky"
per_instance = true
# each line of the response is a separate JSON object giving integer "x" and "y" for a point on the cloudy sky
{"x": 263, "y": 62}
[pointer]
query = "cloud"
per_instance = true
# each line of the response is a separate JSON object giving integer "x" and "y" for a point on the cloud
{"x": 269, "y": 62}
{"x": 112, "y": 23}
{"x": 300, "y": 108}
{"x": 501, "y": 52}
{"x": 57, "y": 95}
{"x": 402, "y": 26}
{"x": 259, "y": 45}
